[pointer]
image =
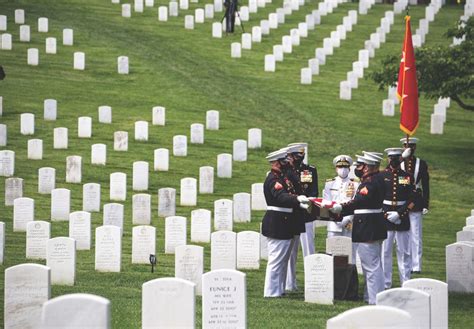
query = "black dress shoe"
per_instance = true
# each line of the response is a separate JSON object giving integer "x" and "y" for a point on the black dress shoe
{"x": 415, "y": 272}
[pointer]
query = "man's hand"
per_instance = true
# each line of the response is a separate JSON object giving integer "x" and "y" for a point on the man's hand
{"x": 336, "y": 208}
{"x": 302, "y": 199}
{"x": 406, "y": 154}
{"x": 304, "y": 206}
{"x": 393, "y": 217}
{"x": 425, "y": 211}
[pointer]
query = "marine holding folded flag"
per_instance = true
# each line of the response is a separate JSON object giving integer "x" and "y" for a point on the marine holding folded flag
{"x": 279, "y": 223}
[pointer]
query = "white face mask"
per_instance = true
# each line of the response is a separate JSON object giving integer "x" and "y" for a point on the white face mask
{"x": 342, "y": 172}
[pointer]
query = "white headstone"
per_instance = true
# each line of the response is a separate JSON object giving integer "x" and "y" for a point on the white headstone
{"x": 258, "y": 198}
{"x": 175, "y": 233}
{"x": 25, "y": 33}
{"x": 224, "y": 299}
{"x": 113, "y": 215}
{"x": 37, "y": 235}
{"x": 437, "y": 124}
{"x": 27, "y": 287}
{"x": 197, "y": 133}
{"x": 320, "y": 56}
{"x": 138, "y": 6}
{"x": 223, "y": 250}
{"x": 184, "y": 4}
{"x": 257, "y": 34}
{"x": 76, "y": 311}
{"x": 68, "y": 37}
{"x": 127, "y": 10}
{"x": 60, "y": 204}
{"x": 99, "y": 154}
{"x": 223, "y": 215}
{"x": 61, "y": 259}
{"x": 42, "y": 24}
{"x": 212, "y": 120}
{"x": 140, "y": 176}
{"x": 35, "y": 149}
{"x": 141, "y": 209}
{"x": 319, "y": 279}
{"x": 189, "y": 22}
{"x": 254, "y": 138}
{"x": 50, "y": 109}
{"x": 217, "y": 30}
{"x": 209, "y": 10}
{"x": 80, "y": 229}
{"x": 199, "y": 15}
{"x": 236, "y": 50}
{"x": 159, "y": 115}
{"x": 438, "y": 292}
{"x": 241, "y": 207}
{"x": 188, "y": 192}
{"x": 201, "y": 226}
{"x": 118, "y": 186}
{"x": 13, "y": 190}
{"x": 51, "y": 46}
{"x": 6, "y": 43}
{"x": 79, "y": 61}
{"x": 218, "y": 4}
{"x": 7, "y": 163}
{"x": 240, "y": 150}
{"x": 84, "y": 127}
{"x": 23, "y": 213}
{"x": 339, "y": 245}
{"x": 388, "y": 107}
{"x": 73, "y": 169}
{"x": 161, "y": 160}
{"x": 3, "y": 129}
{"x": 60, "y": 138}
{"x": 287, "y": 43}
{"x": 122, "y": 65}
{"x": 206, "y": 180}
{"x": 166, "y": 202}
{"x": 168, "y": 303}
{"x": 108, "y": 248}
{"x": 19, "y": 16}
{"x": 180, "y": 145}
{"x": 277, "y": 53}
{"x": 120, "y": 141}
{"x": 306, "y": 76}
{"x": 46, "y": 180}
{"x": 248, "y": 250}
{"x": 459, "y": 267}
{"x": 141, "y": 131}
{"x": 3, "y": 22}
{"x": 371, "y": 316}
{"x": 91, "y": 197}
{"x": 270, "y": 63}
{"x": 27, "y": 124}
{"x": 246, "y": 41}
{"x": 415, "y": 302}
{"x": 345, "y": 90}
{"x": 105, "y": 114}
{"x": 189, "y": 264}
{"x": 465, "y": 236}
{"x": 143, "y": 244}
{"x": 163, "y": 13}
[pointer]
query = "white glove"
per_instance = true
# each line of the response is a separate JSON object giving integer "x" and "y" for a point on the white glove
{"x": 425, "y": 211}
{"x": 393, "y": 217}
{"x": 302, "y": 199}
{"x": 304, "y": 206}
{"x": 336, "y": 209}
{"x": 406, "y": 153}
{"x": 346, "y": 220}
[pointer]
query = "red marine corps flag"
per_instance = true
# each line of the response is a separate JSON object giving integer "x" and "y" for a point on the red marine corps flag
{"x": 407, "y": 85}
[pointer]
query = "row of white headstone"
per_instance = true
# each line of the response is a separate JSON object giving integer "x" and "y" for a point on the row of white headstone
{"x": 43, "y": 23}
{"x": 420, "y": 303}
{"x": 28, "y": 303}
{"x": 430, "y": 13}
{"x": 329, "y": 43}
{"x": 468, "y": 12}
{"x": 438, "y": 117}
{"x": 370, "y": 45}
{"x": 460, "y": 259}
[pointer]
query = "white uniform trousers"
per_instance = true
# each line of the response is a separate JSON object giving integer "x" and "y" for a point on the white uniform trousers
{"x": 278, "y": 255}
{"x": 416, "y": 239}
{"x": 354, "y": 244}
{"x": 307, "y": 239}
{"x": 370, "y": 254}
{"x": 290, "y": 280}
{"x": 402, "y": 239}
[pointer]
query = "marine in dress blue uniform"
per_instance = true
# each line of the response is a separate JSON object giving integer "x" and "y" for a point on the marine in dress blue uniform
{"x": 279, "y": 223}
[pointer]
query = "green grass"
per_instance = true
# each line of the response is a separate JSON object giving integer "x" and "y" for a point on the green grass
{"x": 189, "y": 73}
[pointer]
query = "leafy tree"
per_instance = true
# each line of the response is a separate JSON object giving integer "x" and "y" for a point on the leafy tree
{"x": 441, "y": 71}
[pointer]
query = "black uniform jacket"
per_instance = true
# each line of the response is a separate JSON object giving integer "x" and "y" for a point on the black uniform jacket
{"x": 399, "y": 187}
{"x": 279, "y": 192}
{"x": 367, "y": 226}
{"x": 422, "y": 182}
{"x": 308, "y": 180}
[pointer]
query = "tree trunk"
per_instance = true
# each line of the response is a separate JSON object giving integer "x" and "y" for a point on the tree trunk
{"x": 462, "y": 104}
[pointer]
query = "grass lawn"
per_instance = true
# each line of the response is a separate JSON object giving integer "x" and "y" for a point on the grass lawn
{"x": 189, "y": 73}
